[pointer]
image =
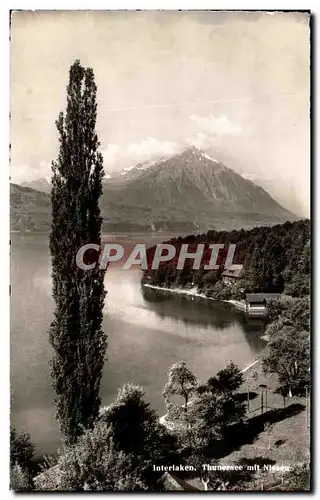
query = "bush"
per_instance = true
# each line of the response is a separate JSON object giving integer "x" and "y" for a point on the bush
{"x": 288, "y": 355}
{"x": 92, "y": 464}
{"x": 19, "y": 479}
{"x": 21, "y": 454}
{"x": 118, "y": 454}
{"x": 220, "y": 291}
{"x": 21, "y": 449}
{"x": 298, "y": 479}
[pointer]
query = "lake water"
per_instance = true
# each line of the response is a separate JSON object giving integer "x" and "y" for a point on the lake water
{"x": 147, "y": 333}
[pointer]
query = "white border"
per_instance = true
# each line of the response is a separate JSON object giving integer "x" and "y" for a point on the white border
{"x": 4, "y": 185}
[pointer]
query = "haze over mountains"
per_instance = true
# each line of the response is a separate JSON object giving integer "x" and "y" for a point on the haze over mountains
{"x": 190, "y": 191}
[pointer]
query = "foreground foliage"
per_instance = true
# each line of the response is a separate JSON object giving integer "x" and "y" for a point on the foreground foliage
{"x": 213, "y": 407}
{"x": 118, "y": 454}
{"x": 298, "y": 479}
{"x": 21, "y": 455}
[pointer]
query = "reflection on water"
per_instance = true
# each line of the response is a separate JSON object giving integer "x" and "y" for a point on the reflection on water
{"x": 196, "y": 311}
{"x": 147, "y": 332}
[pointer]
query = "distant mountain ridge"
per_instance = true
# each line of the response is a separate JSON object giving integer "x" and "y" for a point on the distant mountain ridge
{"x": 186, "y": 192}
{"x": 42, "y": 184}
{"x": 29, "y": 209}
{"x": 189, "y": 187}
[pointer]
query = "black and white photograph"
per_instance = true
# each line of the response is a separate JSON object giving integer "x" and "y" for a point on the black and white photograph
{"x": 160, "y": 251}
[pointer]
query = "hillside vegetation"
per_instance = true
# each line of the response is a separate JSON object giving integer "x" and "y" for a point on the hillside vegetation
{"x": 274, "y": 259}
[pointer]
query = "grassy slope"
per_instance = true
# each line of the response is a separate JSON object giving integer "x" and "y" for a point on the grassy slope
{"x": 292, "y": 431}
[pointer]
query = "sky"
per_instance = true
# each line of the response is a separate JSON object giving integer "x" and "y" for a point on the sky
{"x": 235, "y": 84}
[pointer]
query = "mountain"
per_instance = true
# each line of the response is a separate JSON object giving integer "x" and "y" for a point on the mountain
{"x": 283, "y": 192}
{"x": 29, "y": 209}
{"x": 187, "y": 192}
{"x": 191, "y": 190}
{"x": 39, "y": 185}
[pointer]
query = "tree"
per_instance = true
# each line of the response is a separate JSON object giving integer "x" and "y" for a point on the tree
{"x": 203, "y": 422}
{"x": 21, "y": 455}
{"x": 118, "y": 454}
{"x": 21, "y": 449}
{"x": 75, "y": 334}
{"x": 274, "y": 258}
{"x": 227, "y": 381}
{"x": 135, "y": 427}
{"x": 288, "y": 355}
{"x": 289, "y": 311}
{"x": 19, "y": 479}
{"x": 211, "y": 414}
{"x": 91, "y": 464}
{"x": 298, "y": 273}
{"x": 217, "y": 405}
{"x": 182, "y": 382}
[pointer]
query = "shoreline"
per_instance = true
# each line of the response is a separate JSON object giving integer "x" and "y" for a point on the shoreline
{"x": 251, "y": 365}
{"x": 239, "y": 305}
{"x": 180, "y": 291}
{"x": 192, "y": 292}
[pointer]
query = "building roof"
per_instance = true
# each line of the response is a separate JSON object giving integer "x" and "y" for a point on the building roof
{"x": 174, "y": 483}
{"x": 261, "y": 297}
{"x": 234, "y": 271}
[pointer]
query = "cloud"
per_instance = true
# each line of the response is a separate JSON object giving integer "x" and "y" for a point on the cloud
{"x": 151, "y": 146}
{"x": 251, "y": 176}
{"x": 200, "y": 140}
{"x": 219, "y": 126}
{"x": 111, "y": 154}
{"x": 25, "y": 172}
{"x": 117, "y": 158}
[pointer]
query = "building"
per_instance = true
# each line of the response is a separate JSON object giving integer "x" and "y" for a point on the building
{"x": 256, "y": 303}
{"x": 174, "y": 483}
{"x": 232, "y": 274}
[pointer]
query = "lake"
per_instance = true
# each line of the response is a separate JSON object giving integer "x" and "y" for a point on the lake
{"x": 147, "y": 332}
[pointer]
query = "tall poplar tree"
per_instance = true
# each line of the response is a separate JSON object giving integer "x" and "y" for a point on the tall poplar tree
{"x": 75, "y": 333}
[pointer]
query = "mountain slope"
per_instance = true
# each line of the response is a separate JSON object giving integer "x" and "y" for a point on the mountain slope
{"x": 186, "y": 192}
{"x": 189, "y": 188}
{"x": 30, "y": 209}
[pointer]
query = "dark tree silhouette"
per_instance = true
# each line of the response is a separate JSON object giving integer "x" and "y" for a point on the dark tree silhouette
{"x": 75, "y": 333}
